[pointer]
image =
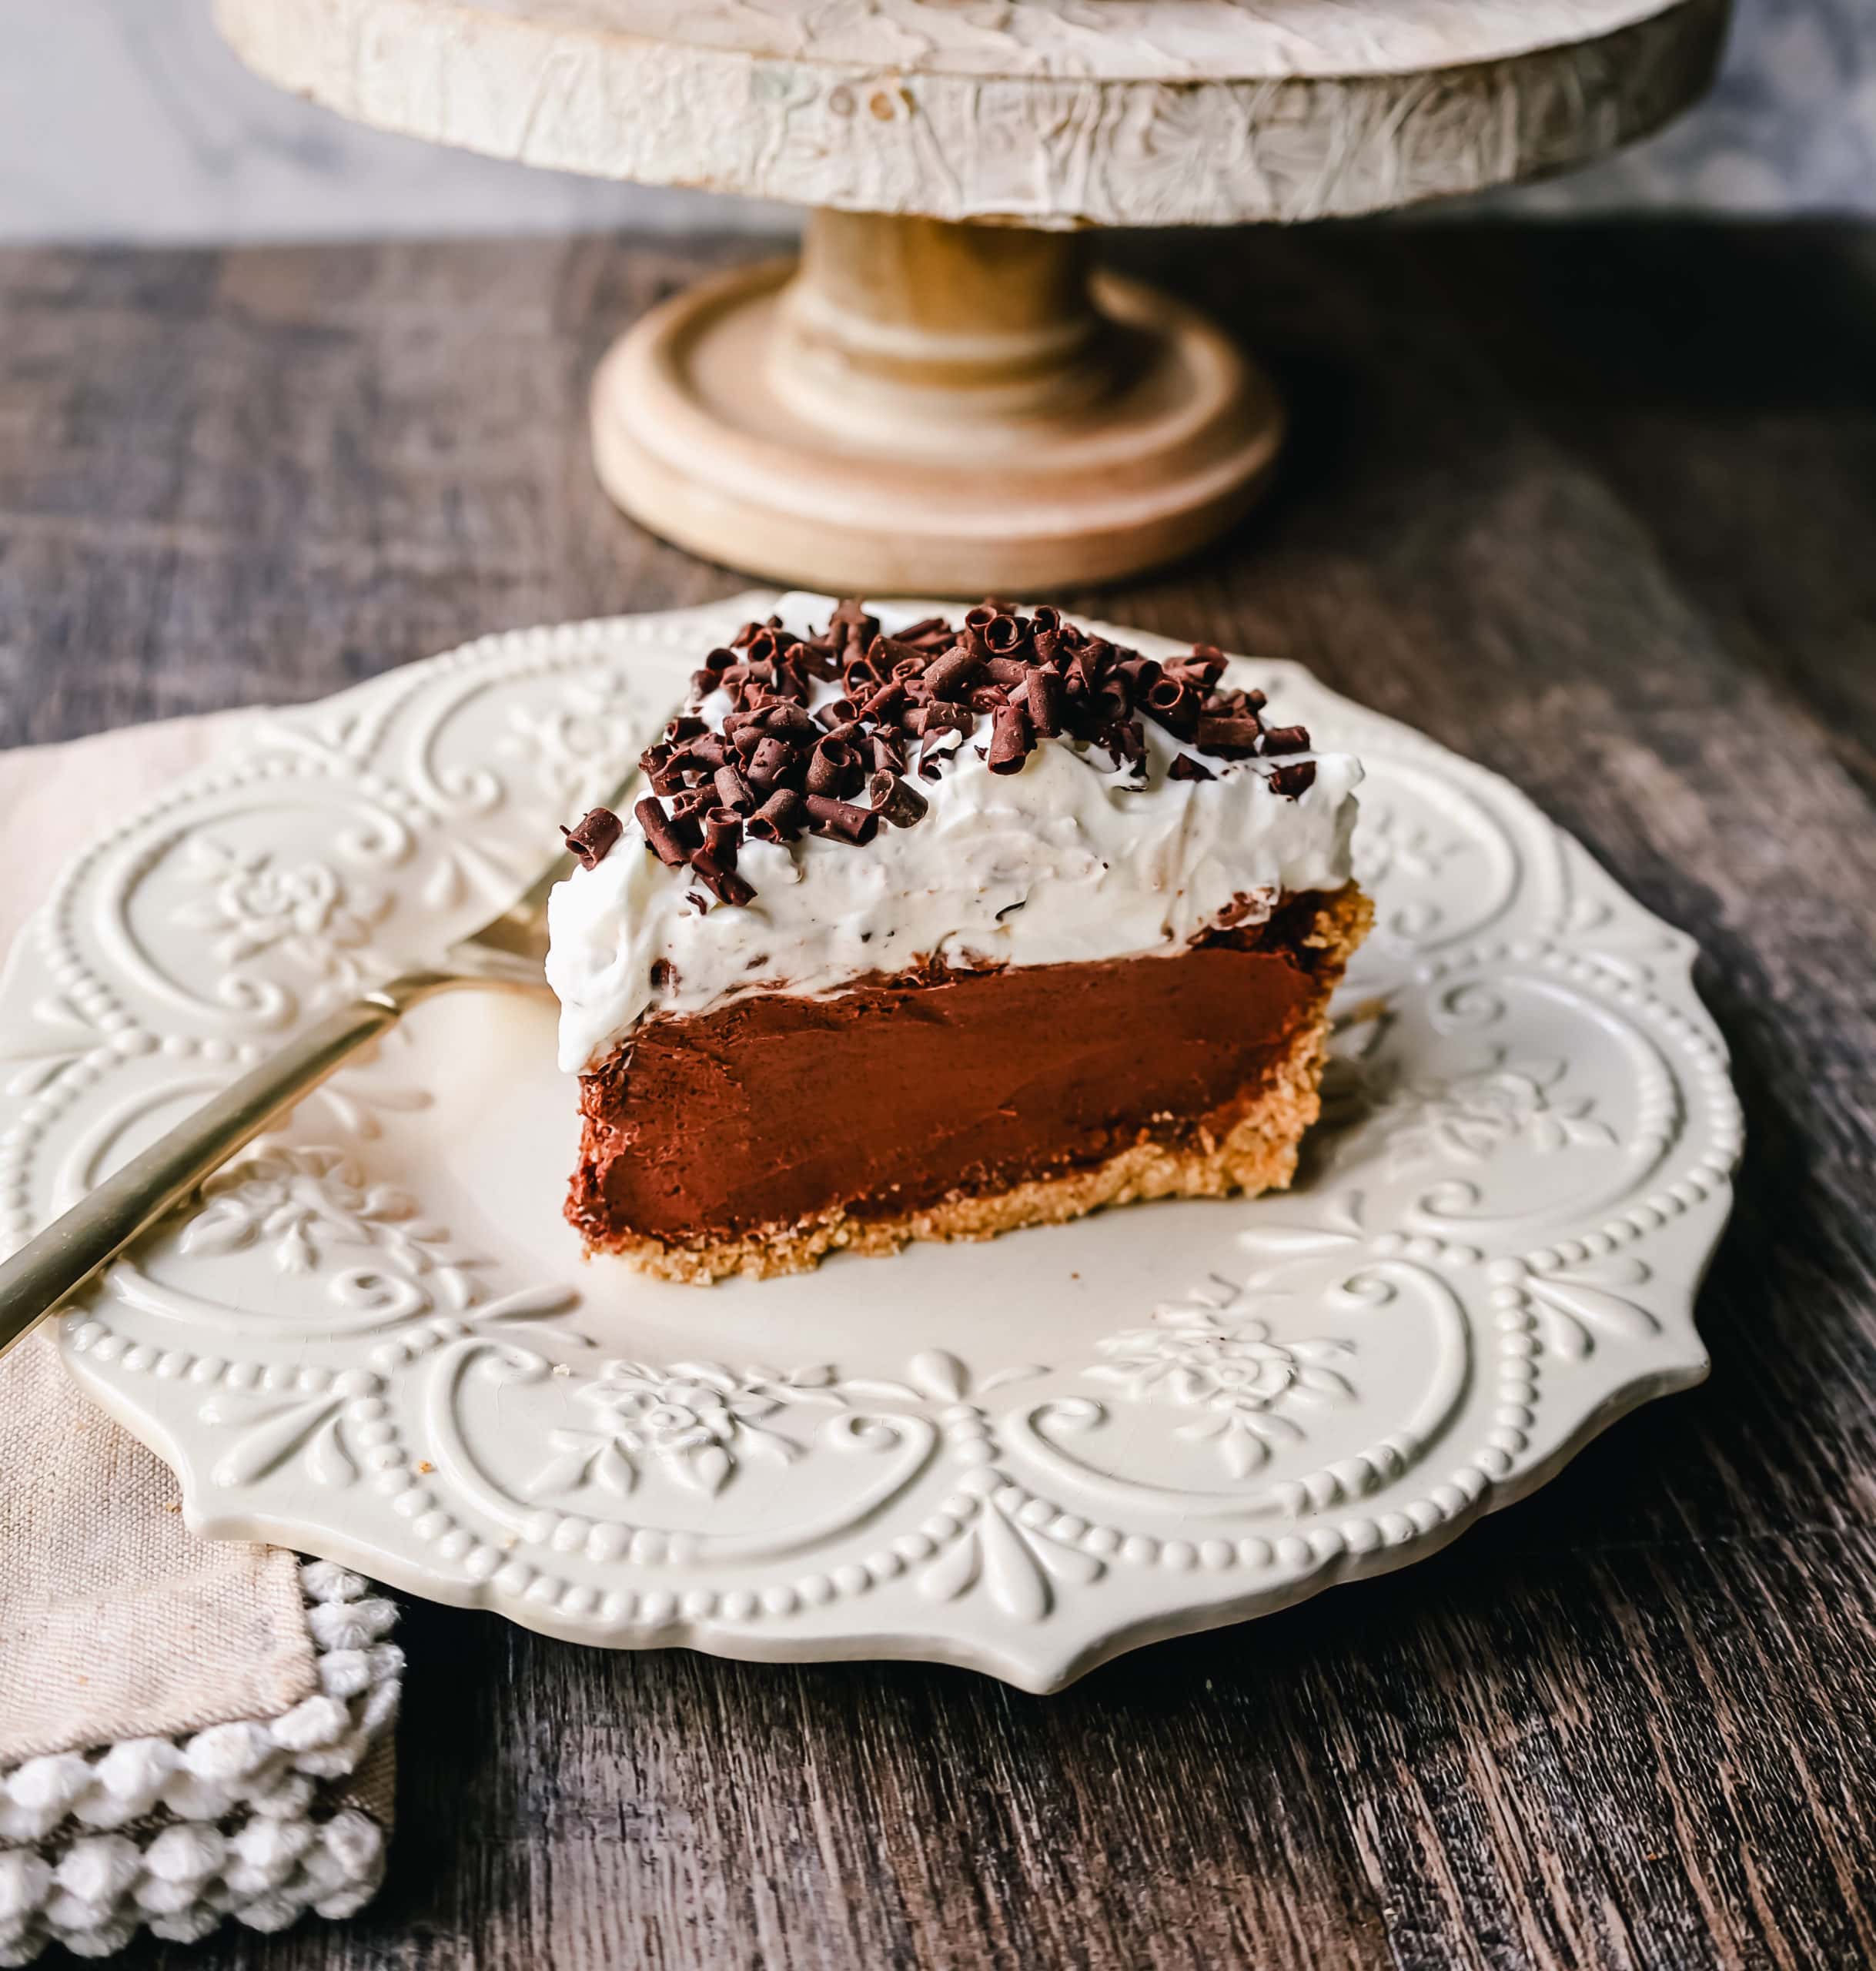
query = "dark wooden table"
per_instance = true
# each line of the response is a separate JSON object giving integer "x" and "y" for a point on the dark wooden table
{"x": 1595, "y": 505}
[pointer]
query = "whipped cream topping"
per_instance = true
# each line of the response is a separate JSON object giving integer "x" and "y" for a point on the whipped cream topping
{"x": 1067, "y": 860}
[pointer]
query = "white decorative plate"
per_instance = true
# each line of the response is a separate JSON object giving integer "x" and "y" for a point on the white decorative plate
{"x": 373, "y": 1339}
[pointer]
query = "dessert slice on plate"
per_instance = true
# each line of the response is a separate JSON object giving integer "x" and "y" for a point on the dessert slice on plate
{"x": 927, "y": 930}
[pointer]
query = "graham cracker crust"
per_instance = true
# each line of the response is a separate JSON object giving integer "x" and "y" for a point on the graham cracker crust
{"x": 1259, "y": 1154}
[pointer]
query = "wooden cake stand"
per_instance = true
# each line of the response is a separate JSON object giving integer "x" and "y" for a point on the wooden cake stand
{"x": 945, "y": 395}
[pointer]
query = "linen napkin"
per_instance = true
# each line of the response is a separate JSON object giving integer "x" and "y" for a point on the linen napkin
{"x": 189, "y": 1729}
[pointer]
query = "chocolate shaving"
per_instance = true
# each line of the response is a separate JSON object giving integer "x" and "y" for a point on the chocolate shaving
{"x": 593, "y": 836}
{"x": 833, "y": 764}
{"x": 732, "y": 791}
{"x": 650, "y": 816}
{"x": 1042, "y": 694}
{"x": 1012, "y": 739}
{"x": 1232, "y": 739}
{"x": 722, "y": 834}
{"x": 721, "y": 880}
{"x": 841, "y": 820}
{"x": 781, "y": 818}
{"x": 1285, "y": 739}
{"x": 1173, "y": 703}
{"x": 768, "y": 763}
{"x": 950, "y": 677}
{"x": 1185, "y": 767}
{"x": 895, "y": 802}
{"x": 1298, "y": 777}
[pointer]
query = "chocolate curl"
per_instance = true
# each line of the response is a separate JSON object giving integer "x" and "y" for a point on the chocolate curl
{"x": 665, "y": 775}
{"x": 706, "y": 753}
{"x": 1010, "y": 672}
{"x": 849, "y": 623}
{"x": 660, "y": 837}
{"x": 732, "y": 791}
{"x": 987, "y": 698}
{"x": 909, "y": 668}
{"x": 591, "y": 837}
{"x": 950, "y": 676}
{"x": 927, "y": 721}
{"x": 1172, "y": 703}
{"x": 836, "y": 711}
{"x": 687, "y": 811}
{"x": 1141, "y": 674}
{"x": 928, "y": 629}
{"x": 860, "y": 679}
{"x": 1012, "y": 739}
{"x": 1112, "y": 700}
{"x": 895, "y": 802}
{"x": 1044, "y": 621}
{"x": 819, "y": 659}
{"x": 1208, "y": 661}
{"x": 835, "y": 762}
{"x": 1125, "y": 738}
{"x": 1042, "y": 694}
{"x": 1004, "y": 634}
{"x": 841, "y": 820}
{"x": 743, "y": 736}
{"x": 1079, "y": 675}
{"x": 1185, "y": 767}
{"x": 888, "y": 756}
{"x": 889, "y": 652}
{"x": 785, "y": 718}
{"x": 884, "y": 703}
{"x": 978, "y": 618}
{"x": 779, "y": 819}
{"x": 685, "y": 727}
{"x": 722, "y": 834}
{"x": 723, "y": 882}
{"x": 1231, "y": 737}
{"x": 1286, "y": 739}
{"x": 1298, "y": 777}
{"x": 768, "y": 763}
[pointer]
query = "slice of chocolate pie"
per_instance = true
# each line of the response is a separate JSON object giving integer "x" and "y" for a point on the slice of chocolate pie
{"x": 929, "y": 931}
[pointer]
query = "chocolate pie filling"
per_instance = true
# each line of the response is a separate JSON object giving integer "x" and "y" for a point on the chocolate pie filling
{"x": 899, "y": 1092}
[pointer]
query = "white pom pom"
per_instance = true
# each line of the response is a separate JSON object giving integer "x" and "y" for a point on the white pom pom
{"x": 270, "y": 1843}
{"x": 349, "y": 1624}
{"x": 325, "y": 1581}
{"x": 345, "y": 1673}
{"x": 99, "y": 1868}
{"x": 316, "y": 1720}
{"x": 186, "y": 1854}
{"x": 228, "y": 1751}
{"x": 25, "y": 1881}
{"x": 52, "y": 1783}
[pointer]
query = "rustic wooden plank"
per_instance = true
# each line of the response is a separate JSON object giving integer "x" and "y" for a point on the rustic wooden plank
{"x": 1590, "y": 504}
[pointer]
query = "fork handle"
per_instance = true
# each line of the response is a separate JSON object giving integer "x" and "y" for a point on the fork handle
{"x": 50, "y": 1267}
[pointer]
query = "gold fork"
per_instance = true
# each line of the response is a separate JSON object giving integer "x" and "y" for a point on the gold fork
{"x": 509, "y": 951}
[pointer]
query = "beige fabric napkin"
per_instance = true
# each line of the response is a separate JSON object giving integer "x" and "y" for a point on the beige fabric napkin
{"x": 188, "y": 1728}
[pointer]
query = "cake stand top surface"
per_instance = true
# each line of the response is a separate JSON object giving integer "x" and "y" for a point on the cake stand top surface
{"x": 1050, "y": 112}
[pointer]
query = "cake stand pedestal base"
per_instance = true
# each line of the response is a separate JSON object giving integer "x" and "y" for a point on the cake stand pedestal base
{"x": 924, "y": 407}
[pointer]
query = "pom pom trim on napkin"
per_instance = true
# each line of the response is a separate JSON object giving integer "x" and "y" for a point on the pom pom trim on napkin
{"x": 253, "y": 1819}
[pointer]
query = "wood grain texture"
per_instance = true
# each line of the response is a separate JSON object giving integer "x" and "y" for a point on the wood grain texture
{"x": 1592, "y": 504}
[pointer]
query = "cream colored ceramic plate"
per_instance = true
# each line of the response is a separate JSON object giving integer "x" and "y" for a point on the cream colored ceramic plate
{"x": 373, "y": 1339}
